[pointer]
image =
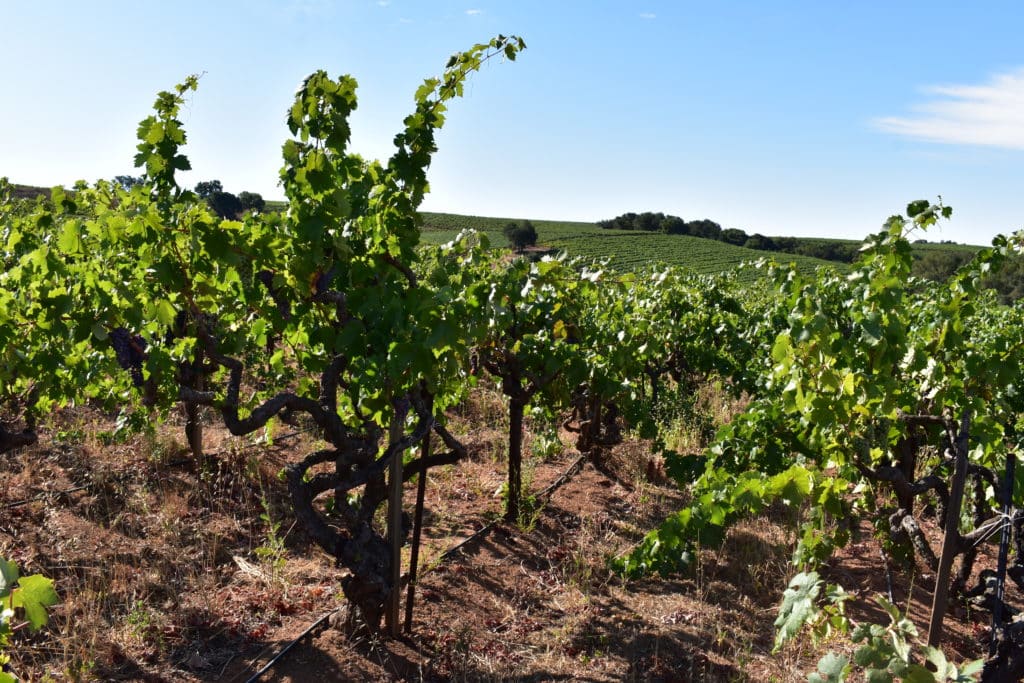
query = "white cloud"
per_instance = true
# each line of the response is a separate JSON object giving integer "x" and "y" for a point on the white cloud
{"x": 991, "y": 114}
{"x": 472, "y": 12}
{"x": 383, "y": 3}
{"x": 648, "y": 15}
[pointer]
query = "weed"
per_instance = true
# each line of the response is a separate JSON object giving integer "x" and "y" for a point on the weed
{"x": 530, "y": 511}
{"x": 546, "y": 446}
{"x": 272, "y": 550}
{"x": 140, "y": 619}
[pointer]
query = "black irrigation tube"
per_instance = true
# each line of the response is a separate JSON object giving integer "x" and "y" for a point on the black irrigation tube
{"x": 266, "y": 667}
{"x": 45, "y": 495}
{"x": 564, "y": 477}
{"x": 448, "y": 554}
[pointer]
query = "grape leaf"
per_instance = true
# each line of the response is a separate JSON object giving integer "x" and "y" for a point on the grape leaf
{"x": 35, "y": 593}
{"x": 8, "y": 576}
{"x": 832, "y": 668}
{"x": 797, "y": 606}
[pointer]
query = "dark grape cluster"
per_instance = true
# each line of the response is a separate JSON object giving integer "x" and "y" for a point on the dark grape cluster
{"x": 130, "y": 350}
{"x": 267, "y": 278}
{"x": 324, "y": 279}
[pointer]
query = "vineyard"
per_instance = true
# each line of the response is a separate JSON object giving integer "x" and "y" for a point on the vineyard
{"x": 346, "y": 426}
{"x": 624, "y": 250}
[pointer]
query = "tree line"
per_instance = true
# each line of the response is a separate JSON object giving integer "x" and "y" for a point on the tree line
{"x": 674, "y": 225}
{"x": 224, "y": 204}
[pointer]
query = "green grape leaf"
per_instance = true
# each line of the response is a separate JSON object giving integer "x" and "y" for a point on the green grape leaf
{"x": 35, "y": 593}
{"x": 797, "y": 606}
{"x": 8, "y": 576}
{"x": 915, "y": 673}
{"x": 878, "y": 676}
{"x": 832, "y": 668}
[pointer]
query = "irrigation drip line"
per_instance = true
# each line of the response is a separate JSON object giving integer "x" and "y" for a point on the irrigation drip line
{"x": 266, "y": 667}
{"x": 44, "y": 496}
{"x": 564, "y": 477}
{"x": 448, "y": 554}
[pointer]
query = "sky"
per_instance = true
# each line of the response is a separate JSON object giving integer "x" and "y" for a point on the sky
{"x": 784, "y": 118}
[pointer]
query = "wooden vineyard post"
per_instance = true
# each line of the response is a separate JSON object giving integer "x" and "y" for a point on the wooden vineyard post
{"x": 395, "y": 531}
{"x": 515, "y": 460}
{"x": 193, "y": 411}
{"x": 417, "y": 527}
{"x": 952, "y": 536}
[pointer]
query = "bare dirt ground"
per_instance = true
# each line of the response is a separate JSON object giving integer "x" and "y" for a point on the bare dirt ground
{"x": 170, "y": 571}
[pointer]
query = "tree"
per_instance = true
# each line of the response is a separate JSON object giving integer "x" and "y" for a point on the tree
{"x": 939, "y": 265}
{"x": 208, "y": 188}
{"x": 520, "y": 235}
{"x": 127, "y": 182}
{"x": 649, "y": 222}
{"x": 225, "y": 204}
{"x": 734, "y": 236}
{"x": 759, "y": 241}
{"x": 251, "y": 201}
{"x": 673, "y": 225}
{"x": 705, "y": 228}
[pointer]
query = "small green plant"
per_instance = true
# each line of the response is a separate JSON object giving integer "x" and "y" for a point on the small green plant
{"x": 530, "y": 510}
{"x": 272, "y": 550}
{"x": 545, "y": 446}
{"x": 140, "y": 619}
{"x": 23, "y": 603}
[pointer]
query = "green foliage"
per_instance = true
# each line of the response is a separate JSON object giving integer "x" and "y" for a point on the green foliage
{"x": 225, "y": 204}
{"x": 884, "y": 653}
{"x": 720, "y": 498}
{"x": 21, "y": 597}
{"x": 251, "y": 201}
{"x": 272, "y": 550}
{"x": 320, "y": 304}
{"x": 798, "y": 606}
{"x": 891, "y": 652}
{"x": 856, "y": 382}
{"x": 832, "y": 668}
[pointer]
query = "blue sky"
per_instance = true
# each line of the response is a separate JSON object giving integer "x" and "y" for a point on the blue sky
{"x": 785, "y": 118}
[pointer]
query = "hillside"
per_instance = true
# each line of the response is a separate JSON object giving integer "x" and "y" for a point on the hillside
{"x": 29, "y": 191}
{"x": 626, "y": 249}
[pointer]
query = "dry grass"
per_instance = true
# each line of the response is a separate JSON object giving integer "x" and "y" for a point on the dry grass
{"x": 168, "y": 572}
